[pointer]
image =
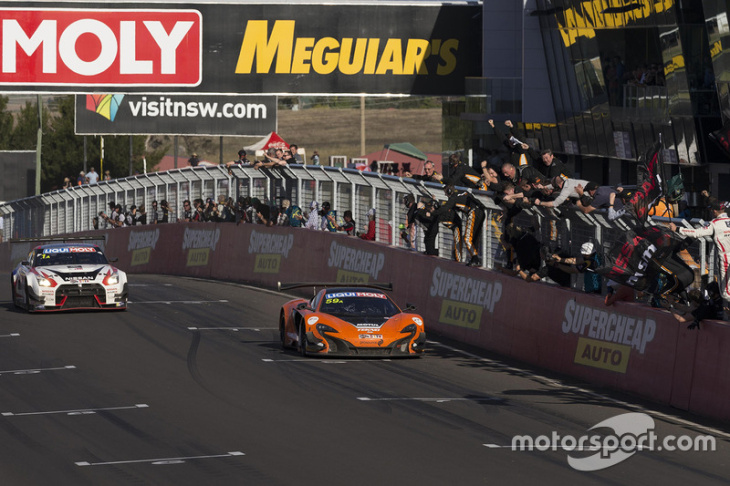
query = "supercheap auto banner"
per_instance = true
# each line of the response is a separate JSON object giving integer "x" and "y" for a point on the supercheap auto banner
{"x": 244, "y": 49}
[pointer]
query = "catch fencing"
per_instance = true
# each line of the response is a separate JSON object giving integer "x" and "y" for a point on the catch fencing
{"x": 73, "y": 210}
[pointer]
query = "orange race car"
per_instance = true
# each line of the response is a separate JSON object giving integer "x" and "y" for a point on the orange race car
{"x": 350, "y": 321}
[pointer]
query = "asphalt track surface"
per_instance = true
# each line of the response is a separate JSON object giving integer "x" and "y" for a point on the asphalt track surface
{"x": 190, "y": 387}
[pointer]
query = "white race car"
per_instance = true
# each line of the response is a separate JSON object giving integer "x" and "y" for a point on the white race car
{"x": 68, "y": 276}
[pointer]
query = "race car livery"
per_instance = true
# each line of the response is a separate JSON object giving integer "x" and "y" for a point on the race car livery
{"x": 65, "y": 276}
{"x": 350, "y": 321}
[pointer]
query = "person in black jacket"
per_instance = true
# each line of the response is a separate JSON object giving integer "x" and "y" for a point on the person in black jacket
{"x": 463, "y": 175}
{"x": 473, "y": 211}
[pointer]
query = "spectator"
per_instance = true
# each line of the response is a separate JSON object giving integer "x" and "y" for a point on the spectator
{"x": 462, "y": 175}
{"x": 154, "y": 213}
{"x": 67, "y": 183}
{"x": 81, "y": 179}
{"x": 370, "y": 234}
{"x": 92, "y": 177}
{"x": 719, "y": 229}
{"x": 525, "y": 260}
{"x": 194, "y": 160}
{"x": 705, "y": 305}
{"x": 314, "y": 222}
{"x": 165, "y": 208}
{"x": 586, "y": 264}
{"x": 275, "y": 159}
{"x": 348, "y": 225}
{"x": 429, "y": 173}
{"x": 242, "y": 160}
{"x": 526, "y": 173}
{"x": 283, "y": 219}
{"x": 473, "y": 211}
{"x": 188, "y": 213}
{"x": 593, "y": 197}
{"x": 315, "y": 158}
{"x": 294, "y": 215}
{"x": 567, "y": 190}
{"x": 263, "y": 213}
{"x": 551, "y": 167}
{"x": 410, "y": 228}
{"x": 130, "y": 218}
{"x": 295, "y": 155}
{"x": 107, "y": 176}
{"x": 329, "y": 217}
{"x": 141, "y": 216}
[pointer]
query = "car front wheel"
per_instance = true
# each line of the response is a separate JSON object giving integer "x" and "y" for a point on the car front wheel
{"x": 302, "y": 341}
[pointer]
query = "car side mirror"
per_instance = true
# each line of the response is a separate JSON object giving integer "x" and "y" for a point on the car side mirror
{"x": 304, "y": 305}
{"x": 410, "y": 307}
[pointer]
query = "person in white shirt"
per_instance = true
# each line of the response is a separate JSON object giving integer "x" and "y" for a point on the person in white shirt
{"x": 719, "y": 230}
{"x": 92, "y": 177}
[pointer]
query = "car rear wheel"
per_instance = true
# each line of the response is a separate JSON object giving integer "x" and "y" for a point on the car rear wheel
{"x": 302, "y": 341}
{"x": 12, "y": 292}
{"x": 282, "y": 332}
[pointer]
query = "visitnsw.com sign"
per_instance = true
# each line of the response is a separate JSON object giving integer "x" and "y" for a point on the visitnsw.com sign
{"x": 130, "y": 114}
{"x": 245, "y": 49}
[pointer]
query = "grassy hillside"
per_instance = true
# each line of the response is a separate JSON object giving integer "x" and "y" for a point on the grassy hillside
{"x": 333, "y": 131}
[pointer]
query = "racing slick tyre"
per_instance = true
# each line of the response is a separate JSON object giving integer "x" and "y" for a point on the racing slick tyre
{"x": 13, "y": 294}
{"x": 302, "y": 341}
{"x": 27, "y": 299}
{"x": 282, "y": 332}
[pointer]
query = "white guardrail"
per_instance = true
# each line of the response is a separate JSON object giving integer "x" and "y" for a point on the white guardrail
{"x": 72, "y": 210}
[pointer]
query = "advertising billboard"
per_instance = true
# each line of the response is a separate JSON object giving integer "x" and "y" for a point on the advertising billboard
{"x": 133, "y": 114}
{"x": 240, "y": 48}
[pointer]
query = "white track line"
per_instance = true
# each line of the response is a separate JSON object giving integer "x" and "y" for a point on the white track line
{"x": 161, "y": 461}
{"x": 81, "y": 411}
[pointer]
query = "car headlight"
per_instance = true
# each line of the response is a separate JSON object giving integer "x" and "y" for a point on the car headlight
{"x": 408, "y": 329}
{"x": 111, "y": 279}
{"x": 44, "y": 282}
{"x": 322, "y": 328}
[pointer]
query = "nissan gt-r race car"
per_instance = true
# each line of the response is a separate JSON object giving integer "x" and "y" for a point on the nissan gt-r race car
{"x": 66, "y": 276}
{"x": 350, "y": 321}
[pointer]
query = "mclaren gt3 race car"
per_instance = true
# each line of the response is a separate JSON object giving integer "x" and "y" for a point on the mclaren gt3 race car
{"x": 350, "y": 321}
{"x": 66, "y": 276}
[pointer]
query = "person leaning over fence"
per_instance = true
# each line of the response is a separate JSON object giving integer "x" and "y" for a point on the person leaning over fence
{"x": 719, "y": 230}
{"x": 370, "y": 233}
{"x": 705, "y": 305}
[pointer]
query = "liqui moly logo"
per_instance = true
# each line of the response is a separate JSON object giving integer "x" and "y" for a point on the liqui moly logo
{"x": 100, "y": 47}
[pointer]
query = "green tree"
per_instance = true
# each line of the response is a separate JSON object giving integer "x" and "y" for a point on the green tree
{"x": 63, "y": 150}
{"x": 25, "y": 132}
{"x": 6, "y": 124}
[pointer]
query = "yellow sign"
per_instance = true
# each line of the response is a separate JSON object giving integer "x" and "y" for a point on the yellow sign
{"x": 461, "y": 314}
{"x": 343, "y": 276}
{"x": 141, "y": 256}
{"x": 601, "y": 354}
{"x": 198, "y": 257}
{"x": 267, "y": 263}
{"x": 349, "y": 56}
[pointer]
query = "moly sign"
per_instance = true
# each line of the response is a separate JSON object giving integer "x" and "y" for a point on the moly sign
{"x": 247, "y": 48}
{"x": 100, "y": 47}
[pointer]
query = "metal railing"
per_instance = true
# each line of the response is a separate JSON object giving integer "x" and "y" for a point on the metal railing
{"x": 72, "y": 210}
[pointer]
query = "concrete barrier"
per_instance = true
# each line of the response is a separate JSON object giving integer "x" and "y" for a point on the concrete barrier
{"x": 628, "y": 347}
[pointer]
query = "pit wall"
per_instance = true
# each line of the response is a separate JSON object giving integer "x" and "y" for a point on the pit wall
{"x": 628, "y": 347}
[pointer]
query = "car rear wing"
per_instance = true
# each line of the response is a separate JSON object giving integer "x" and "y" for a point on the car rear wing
{"x": 374, "y": 285}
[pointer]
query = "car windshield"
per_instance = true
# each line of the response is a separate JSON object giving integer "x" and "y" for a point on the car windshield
{"x": 372, "y": 304}
{"x": 45, "y": 257}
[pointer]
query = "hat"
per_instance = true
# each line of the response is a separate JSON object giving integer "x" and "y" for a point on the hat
{"x": 371, "y": 212}
{"x": 587, "y": 249}
{"x": 241, "y": 152}
{"x": 713, "y": 203}
{"x": 314, "y": 205}
{"x": 591, "y": 186}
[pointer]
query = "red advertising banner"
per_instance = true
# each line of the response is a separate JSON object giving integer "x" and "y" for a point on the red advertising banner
{"x": 99, "y": 47}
